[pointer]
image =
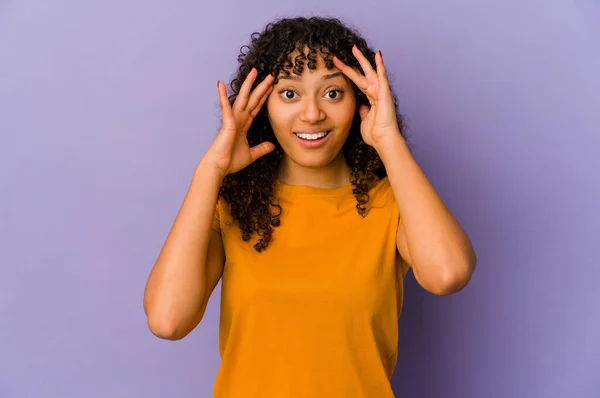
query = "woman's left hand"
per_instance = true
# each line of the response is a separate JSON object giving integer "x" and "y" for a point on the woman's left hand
{"x": 379, "y": 121}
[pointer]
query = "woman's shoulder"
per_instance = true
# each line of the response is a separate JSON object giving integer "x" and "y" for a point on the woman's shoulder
{"x": 380, "y": 193}
{"x": 378, "y": 183}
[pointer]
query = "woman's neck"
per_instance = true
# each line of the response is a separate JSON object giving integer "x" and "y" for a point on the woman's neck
{"x": 336, "y": 174}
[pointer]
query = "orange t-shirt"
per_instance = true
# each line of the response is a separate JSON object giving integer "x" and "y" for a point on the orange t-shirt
{"x": 316, "y": 313}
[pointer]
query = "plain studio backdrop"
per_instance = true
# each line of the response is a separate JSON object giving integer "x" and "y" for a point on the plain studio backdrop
{"x": 107, "y": 107}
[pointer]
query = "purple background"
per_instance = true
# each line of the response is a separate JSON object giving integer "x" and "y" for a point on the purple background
{"x": 106, "y": 108}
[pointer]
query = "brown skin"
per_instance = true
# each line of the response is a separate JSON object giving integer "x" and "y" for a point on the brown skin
{"x": 318, "y": 99}
{"x": 429, "y": 238}
{"x": 191, "y": 260}
{"x": 230, "y": 151}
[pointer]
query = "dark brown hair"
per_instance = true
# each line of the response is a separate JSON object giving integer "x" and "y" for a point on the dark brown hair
{"x": 250, "y": 192}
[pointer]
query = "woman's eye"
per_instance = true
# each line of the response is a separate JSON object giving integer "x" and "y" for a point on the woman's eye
{"x": 290, "y": 94}
{"x": 334, "y": 94}
{"x": 287, "y": 94}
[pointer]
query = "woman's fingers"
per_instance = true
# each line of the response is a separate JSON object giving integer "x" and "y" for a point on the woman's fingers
{"x": 242, "y": 98}
{"x": 381, "y": 73}
{"x": 374, "y": 80}
{"x": 245, "y": 106}
{"x": 261, "y": 150}
{"x": 256, "y": 98}
{"x": 227, "y": 133}
{"x": 226, "y": 111}
{"x": 357, "y": 78}
{"x": 248, "y": 101}
{"x": 257, "y": 108}
{"x": 364, "y": 62}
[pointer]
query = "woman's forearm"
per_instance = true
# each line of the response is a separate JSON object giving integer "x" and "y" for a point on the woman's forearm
{"x": 442, "y": 255}
{"x": 176, "y": 288}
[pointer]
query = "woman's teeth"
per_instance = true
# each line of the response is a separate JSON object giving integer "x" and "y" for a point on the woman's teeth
{"x": 311, "y": 137}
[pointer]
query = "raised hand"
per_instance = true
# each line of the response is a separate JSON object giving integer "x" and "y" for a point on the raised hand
{"x": 230, "y": 151}
{"x": 379, "y": 119}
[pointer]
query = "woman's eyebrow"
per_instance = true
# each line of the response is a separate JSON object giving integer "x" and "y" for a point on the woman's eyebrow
{"x": 296, "y": 78}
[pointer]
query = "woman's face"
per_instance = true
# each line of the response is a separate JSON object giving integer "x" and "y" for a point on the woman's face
{"x": 311, "y": 114}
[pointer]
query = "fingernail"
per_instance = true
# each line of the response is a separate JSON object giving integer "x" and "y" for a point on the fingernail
{"x": 218, "y": 83}
{"x": 380, "y": 54}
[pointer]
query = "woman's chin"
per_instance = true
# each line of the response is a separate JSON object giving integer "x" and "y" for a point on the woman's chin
{"x": 313, "y": 160}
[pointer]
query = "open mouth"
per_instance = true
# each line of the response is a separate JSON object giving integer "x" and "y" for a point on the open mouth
{"x": 312, "y": 136}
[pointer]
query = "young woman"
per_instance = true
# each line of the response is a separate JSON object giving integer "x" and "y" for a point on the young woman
{"x": 310, "y": 208}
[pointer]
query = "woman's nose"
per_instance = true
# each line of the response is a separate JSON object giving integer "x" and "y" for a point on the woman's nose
{"x": 313, "y": 112}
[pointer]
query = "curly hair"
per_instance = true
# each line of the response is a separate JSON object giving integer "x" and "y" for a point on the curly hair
{"x": 250, "y": 192}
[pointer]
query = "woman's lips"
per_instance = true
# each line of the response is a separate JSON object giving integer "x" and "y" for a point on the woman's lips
{"x": 315, "y": 143}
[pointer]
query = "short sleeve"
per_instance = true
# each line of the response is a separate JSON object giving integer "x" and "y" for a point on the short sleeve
{"x": 216, "y": 221}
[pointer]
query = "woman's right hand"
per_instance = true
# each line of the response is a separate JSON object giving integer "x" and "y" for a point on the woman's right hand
{"x": 230, "y": 151}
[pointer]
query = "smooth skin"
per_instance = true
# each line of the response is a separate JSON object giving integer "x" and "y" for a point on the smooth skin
{"x": 429, "y": 238}
{"x": 230, "y": 152}
{"x": 191, "y": 261}
{"x": 321, "y": 100}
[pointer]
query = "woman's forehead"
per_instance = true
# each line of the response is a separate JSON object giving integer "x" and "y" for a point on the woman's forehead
{"x": 317, "y": 74}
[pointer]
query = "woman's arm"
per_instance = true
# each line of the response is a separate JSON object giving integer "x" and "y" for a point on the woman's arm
{"x": 192, "y": 258}
{"x": 429, "y": 237}
{"x": 190, "y": 262}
